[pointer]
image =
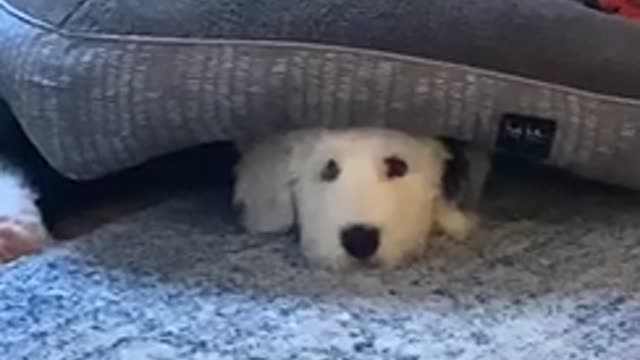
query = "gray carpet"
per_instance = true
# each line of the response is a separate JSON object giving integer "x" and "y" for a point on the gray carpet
{"x": 554, "y": 275}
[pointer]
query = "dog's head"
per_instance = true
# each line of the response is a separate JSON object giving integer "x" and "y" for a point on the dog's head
{"x": 358, "y": 197}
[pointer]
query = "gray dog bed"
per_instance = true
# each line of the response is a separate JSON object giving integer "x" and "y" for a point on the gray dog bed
{"x": 100, "y": 85}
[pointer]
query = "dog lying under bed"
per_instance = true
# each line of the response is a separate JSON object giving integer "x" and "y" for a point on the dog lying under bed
{"x": 361, "y": 196}
{"x": 356, "y": 196}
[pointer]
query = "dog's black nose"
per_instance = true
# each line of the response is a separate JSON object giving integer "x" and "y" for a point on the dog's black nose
{"x": 360, "y": 241}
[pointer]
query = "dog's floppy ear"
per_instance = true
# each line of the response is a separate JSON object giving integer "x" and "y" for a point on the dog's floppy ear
{"x": 265, "y": 178}
{"x": 463, "y": 180}
{"x": 465, "y": 173}
{"x": 262, "y": 192}
{"x": 434, "y": 158}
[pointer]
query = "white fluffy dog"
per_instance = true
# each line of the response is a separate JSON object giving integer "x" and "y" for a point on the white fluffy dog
{"x": 360, "y": 196}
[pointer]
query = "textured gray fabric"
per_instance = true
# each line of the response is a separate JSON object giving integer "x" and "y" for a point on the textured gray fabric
{"x": 554, "y": 275}
{"x": 558, "y": 41}
{"x": 54, "y": 13}
{"x": 95, "y": 100}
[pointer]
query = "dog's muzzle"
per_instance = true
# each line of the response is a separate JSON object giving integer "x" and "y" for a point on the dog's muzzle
{"x": 360, "y": 241}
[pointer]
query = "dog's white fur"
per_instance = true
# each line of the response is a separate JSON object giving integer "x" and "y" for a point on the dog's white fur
{"x": 279, "y": 186}
{"x": 21, "y": 227}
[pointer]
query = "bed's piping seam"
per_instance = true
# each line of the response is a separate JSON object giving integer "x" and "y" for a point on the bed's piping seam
{"x": 71, "y": 13}
{"x": 392, "y": 56}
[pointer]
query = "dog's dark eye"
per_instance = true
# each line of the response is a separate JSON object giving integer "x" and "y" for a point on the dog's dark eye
{"x": 396, "y": 167}
{"x": 330, "y": 171}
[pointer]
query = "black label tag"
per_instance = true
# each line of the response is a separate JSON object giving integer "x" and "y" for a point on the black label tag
{"x": 526, "y": 136}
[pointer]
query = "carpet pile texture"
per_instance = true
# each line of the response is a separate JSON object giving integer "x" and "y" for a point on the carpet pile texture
{"x": 553, "y": 274}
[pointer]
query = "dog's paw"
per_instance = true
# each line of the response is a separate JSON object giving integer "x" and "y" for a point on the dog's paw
{"x": 454, "y": 222}
{"x": 460, "y": 226}
{"x": 22, "y": 230}
{"x": 20, "y": 237}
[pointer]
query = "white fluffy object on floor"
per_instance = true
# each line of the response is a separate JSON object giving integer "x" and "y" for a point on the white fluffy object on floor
{"x": 21, "y": 227}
